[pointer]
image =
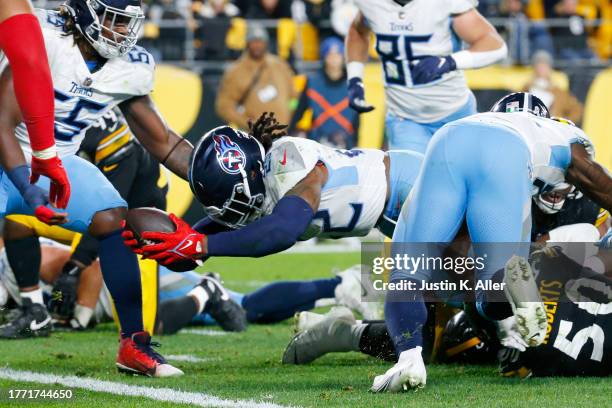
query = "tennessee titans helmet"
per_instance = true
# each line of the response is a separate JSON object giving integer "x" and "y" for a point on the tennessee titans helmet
{"x": 98, "y": 21}
{"x": 226, "y": 176}
{"x": 521, "y": 102}
{"x": 463, "y": 343}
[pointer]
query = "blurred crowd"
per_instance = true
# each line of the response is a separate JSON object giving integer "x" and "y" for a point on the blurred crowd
{"x": 567, "y": 29}
{"x": 264, "y": 39}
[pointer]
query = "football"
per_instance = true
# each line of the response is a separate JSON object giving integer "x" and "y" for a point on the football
{"x": 151, "y": 219}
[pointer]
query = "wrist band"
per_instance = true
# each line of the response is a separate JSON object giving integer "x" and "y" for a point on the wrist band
{"x": 45, "y": 154}
{"x": 354, "y": 69}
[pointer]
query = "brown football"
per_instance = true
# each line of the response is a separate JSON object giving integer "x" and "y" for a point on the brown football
{"x": 149, "y": 219}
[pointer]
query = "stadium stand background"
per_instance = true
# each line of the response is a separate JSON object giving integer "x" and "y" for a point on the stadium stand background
{"x": 193, "y": 45}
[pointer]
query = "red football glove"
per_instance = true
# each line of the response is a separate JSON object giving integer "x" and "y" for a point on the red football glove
{"x": 169, "y": 247}
{"x": 59, "y": 191}
{"x": 50, "y": 217}
{"x": 129, "y": 239}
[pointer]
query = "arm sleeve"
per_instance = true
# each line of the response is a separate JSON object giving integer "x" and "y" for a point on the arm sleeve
{"x": 268, "y": 235}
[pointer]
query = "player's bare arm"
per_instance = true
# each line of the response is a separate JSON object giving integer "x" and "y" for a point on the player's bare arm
{"x": 358, "y": 40}
{"x": 146, "y": 123}
{"x": 11, "y": 154}
{"x": 590, "y": 177}
{"x": 10, "y": 8}
{"x": 485, "y": 46}
{"x": 357, "y": 47}
{"x": 477, "y": 32}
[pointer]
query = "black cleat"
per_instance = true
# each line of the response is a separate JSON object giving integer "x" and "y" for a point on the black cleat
{"x": 30, "y": 320}
{"x": 227, "y": 313}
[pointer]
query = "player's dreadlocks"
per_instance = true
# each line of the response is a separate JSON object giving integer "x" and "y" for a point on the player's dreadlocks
{"x": 69, "y": 24}
{"x": 266, "y": 128}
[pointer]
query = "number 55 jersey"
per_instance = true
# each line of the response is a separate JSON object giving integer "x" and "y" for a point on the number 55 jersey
{"x": 82, "y": 97}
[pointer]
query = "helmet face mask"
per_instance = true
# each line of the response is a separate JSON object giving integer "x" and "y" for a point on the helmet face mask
{"x": 553, "y": 201}
{"x": 240, "y": 209}
{"x": 110, "y": 26}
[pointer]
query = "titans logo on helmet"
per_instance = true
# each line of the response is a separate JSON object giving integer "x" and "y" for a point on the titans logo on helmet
{"x": 229, "y": 155}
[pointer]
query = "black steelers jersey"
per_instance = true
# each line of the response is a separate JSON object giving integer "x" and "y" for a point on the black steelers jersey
{"x": 578, "y": 304}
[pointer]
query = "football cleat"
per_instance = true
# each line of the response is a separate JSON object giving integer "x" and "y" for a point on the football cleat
{"x": 408, "y": 372}
{"x": 303, "y": 321}
{"x": 136, "y": 356}
{"x": 522, "y": 292}
{"x": 508, "y": 334}
{"x": 331, "y": 334}
{"x": 351, "y": 290}
{"x": 227, "y": 313}
{"x": 29, "y": 320}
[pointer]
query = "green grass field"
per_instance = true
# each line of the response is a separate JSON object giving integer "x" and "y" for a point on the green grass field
{"x": 246, "y": 366}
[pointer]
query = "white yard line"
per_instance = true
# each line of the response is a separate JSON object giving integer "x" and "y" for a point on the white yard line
{"x": 189, "y": 358}
{"x": 153, "y": 393}
{"x": 205, "y": 332}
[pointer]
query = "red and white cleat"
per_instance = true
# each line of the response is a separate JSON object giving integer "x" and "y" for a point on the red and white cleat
{"x": 136, "y": 356}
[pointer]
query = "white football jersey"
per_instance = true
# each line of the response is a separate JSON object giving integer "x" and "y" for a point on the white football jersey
{"x": 549, "y": 143}
{"x": 82, "y": 97}
{"x": 403, "y": 34}
{"x": 353, "y": 197}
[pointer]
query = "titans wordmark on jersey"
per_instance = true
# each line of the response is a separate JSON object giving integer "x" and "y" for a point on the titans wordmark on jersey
{"x": 404, "y": 34}
{"x": 82, "y": 97}
{"x": 549, "y": 143}
{"x": 352, "y": 199}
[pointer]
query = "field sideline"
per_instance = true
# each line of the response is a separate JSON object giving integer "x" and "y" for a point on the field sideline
{"x": 244, "y": 369}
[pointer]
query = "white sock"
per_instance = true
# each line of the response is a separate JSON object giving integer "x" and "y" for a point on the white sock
{"x": 36, "y": 296}
{"x": 83, "y": 314}
{"x": 200, "y": 294}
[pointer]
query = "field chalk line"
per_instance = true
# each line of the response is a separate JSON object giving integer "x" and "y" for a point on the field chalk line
{"x": 153, "y": 393}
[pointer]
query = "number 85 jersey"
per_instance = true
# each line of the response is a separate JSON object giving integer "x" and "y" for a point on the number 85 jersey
{"x": 82, "y": 97}
{"x": 404, "y": 34}
{"x": 353, "y": 197}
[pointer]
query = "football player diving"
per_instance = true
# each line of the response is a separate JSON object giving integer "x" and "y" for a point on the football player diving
{"x": 95, "y": 65}
{"x": 78, "y": 297}
{"x": 263, "y": 192}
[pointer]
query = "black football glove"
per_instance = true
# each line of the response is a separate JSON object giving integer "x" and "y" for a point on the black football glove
{"x": 64, "y": 295}
{"x": 431, "y": 68}
{"x": 356, "y": 95}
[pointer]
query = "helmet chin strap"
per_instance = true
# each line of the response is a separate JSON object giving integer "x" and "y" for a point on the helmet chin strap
{"x": 547, "y": 207}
